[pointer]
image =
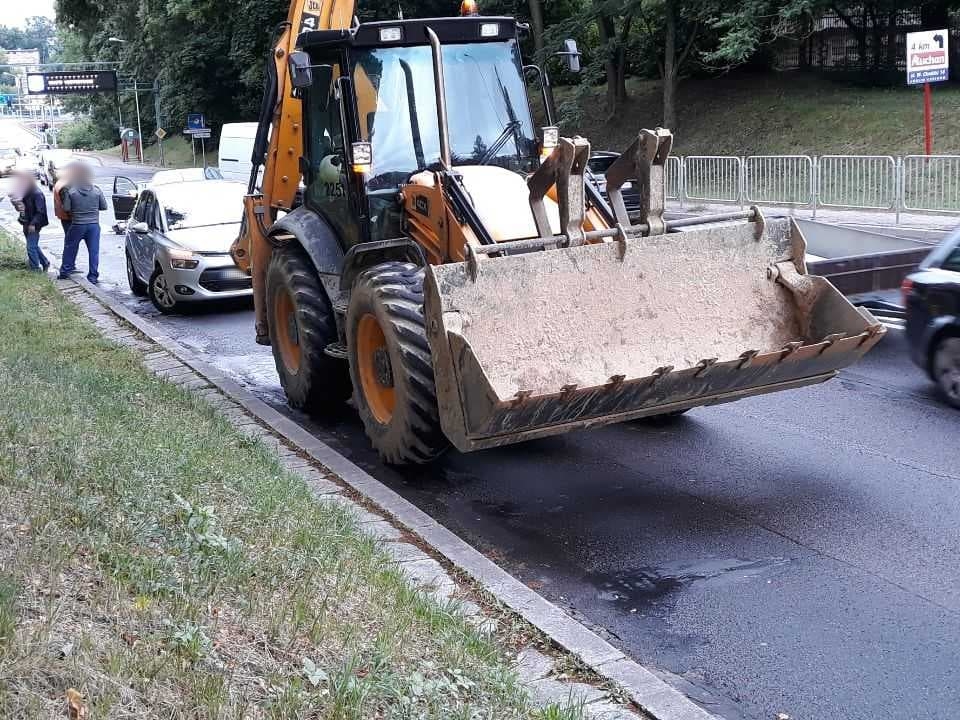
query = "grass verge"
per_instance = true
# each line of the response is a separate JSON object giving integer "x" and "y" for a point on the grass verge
{"x": 776, "y": 113}
{"x": 156, "y": 563}
{"x": 176, "y": 153}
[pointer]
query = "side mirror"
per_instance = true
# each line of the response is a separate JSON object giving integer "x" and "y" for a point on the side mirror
{"x": 140, "y": 228}
{"x": 571, "y": 55}
{"x": 301, "y": 73}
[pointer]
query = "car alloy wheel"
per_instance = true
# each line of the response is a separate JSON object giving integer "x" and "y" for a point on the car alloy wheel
{"x": 946, "y": 368}
{"x": 160, "y": 293}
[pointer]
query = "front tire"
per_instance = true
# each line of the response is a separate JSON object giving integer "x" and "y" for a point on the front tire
{"x": 390, "y": 364}
{"x": 945, "y": 363}
{"x": 161, "y": 294}
{"x": 302, "y": 325}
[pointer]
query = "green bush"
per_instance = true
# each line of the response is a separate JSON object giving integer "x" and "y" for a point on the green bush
{"x": 82, "y": 135}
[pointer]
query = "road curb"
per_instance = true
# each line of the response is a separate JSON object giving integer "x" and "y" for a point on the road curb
{"x": 651, "y": 694}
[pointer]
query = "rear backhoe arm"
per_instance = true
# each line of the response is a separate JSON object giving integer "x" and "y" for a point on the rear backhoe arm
{"x": 279, "y": 145}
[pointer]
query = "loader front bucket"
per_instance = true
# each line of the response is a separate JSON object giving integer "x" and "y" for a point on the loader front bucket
{"x": 534, "y": 344}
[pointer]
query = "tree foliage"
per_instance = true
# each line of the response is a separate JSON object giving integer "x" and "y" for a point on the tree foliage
{"x": 209, "y": 55}
{"x": 37, "y": 32}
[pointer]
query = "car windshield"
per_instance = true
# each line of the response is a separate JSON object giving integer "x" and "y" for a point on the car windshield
{"x": 601, "y": 163}
{"x": 201, "y": 204}
{"x": 488, "y": 116}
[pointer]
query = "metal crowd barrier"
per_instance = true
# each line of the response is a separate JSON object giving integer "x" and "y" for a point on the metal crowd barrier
{"x": 866, "y": 182}
{"x": 930, "y": 183}
{"x": 779, "y": 179}
{"x": 914, "y": 183}
{"x": 713, "y": 178}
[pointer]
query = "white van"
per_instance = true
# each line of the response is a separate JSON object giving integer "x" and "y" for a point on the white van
{"x": 236, "y": 146}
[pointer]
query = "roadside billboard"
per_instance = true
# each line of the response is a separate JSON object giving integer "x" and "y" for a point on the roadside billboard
{"x": 21, "y": 57}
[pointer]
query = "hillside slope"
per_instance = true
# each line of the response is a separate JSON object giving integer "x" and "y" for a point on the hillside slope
{"x": 779, "y": 113}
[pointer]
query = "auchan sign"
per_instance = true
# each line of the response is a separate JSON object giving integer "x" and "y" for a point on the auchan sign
{"x": 928, "y": 57}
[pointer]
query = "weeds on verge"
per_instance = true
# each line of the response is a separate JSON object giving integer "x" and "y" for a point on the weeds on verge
{"x": 159, "y": 565}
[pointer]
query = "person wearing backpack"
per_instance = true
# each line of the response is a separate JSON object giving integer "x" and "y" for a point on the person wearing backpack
{"x": 28, "y": 199}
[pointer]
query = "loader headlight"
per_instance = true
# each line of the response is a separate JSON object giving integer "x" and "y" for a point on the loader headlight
{"x": 361, "y": 157}
{"x": 183, "y": 260}
{"x": 551, "y": 136}
{"x": 391, "y": 34}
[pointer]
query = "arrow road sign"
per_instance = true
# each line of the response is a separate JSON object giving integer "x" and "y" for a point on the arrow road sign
{"x": 928, "y": 57}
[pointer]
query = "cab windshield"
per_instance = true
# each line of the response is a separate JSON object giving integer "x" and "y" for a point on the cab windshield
{"x": 487, "y": 112}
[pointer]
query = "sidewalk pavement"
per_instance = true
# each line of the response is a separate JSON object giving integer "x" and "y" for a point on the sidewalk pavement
{"x": 921, "y": 221}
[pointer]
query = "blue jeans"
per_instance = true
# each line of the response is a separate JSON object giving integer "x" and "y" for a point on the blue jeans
{"x": 35, "y": 257}
{"x": 90, "y": 234}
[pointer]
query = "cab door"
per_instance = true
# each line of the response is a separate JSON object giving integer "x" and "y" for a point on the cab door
{"x": 327, "y": 178}
{"x": 124, "y": 197}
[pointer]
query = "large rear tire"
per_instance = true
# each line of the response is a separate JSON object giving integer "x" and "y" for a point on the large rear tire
{"x": 302, "y": 325}
{"x": 390, "y": 364}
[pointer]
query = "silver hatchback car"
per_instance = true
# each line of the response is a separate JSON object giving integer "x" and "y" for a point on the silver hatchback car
{"x": 178, "y": 244}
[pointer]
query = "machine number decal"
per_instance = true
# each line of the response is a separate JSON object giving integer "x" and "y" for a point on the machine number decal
{"x": 333, "y": 189}
{"x": 421, "y": 205}
{"x": 310, "y": 19}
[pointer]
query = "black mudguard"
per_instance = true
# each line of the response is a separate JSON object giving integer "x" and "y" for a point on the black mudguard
{"x": 319, "y": 240}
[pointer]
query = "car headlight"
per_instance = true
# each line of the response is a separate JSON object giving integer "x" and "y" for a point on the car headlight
{"x": 183, "y": 260}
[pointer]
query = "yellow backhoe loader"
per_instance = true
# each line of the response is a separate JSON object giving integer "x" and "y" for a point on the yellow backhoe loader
{"x": 418, "y": 245}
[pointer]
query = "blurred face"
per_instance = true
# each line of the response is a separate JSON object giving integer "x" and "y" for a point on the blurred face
{"x": 22, "y": 183}
{"x": 82, "y": 175}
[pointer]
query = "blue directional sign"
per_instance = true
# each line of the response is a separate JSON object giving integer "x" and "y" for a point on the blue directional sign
{"x": 196, "y": 121}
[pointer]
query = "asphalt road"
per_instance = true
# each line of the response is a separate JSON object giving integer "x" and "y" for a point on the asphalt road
{"x": 796, "y": 553}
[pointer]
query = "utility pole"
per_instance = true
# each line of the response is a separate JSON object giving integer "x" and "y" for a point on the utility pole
{"x": 156, "y": 107}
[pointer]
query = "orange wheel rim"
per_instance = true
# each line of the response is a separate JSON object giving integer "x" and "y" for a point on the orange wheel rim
{"x": 288, "y": 332}
{"x": 376, "y": 375}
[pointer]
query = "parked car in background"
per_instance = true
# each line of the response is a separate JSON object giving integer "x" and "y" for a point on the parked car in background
{"x": 235, "y": 150}
{"x": 931, "y": 297}
{"x": 9, "y": 157}
{"x": 178, "y": 243}
{"x": 596, "y": 173}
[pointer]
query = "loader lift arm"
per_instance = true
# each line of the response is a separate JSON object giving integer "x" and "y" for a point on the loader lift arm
{"x": 278, "y": 145}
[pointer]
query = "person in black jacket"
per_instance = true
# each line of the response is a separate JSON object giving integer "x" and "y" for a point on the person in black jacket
{"x": 28, "y": 199}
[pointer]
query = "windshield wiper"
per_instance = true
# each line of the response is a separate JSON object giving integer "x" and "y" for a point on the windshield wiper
{"x": 508, "y": 130}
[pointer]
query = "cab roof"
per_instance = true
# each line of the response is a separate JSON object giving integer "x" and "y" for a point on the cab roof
{"x": 450, "y": 30}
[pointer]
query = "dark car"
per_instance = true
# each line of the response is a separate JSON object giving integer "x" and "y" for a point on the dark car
{"x": 597, "y": 166}
{"x": 932, "y": 299}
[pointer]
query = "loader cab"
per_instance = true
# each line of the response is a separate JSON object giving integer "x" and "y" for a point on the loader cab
{"x": 378, "y": 83}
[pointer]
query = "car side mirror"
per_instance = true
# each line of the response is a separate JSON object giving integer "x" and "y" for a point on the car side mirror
{"x": 140, "y": 228}
{"x": 301, "y": 73}
{"x": 571, "y": 55}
